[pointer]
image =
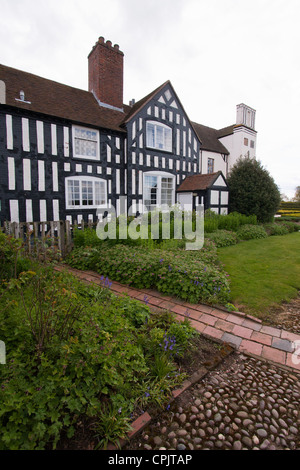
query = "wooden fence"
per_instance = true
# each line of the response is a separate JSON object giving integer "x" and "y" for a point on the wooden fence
{"x": 41, "y": 237}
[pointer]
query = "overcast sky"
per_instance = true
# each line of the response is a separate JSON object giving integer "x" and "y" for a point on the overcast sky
{"x": 216, "y": 53}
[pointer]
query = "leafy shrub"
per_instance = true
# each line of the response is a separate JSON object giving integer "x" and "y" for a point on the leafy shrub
{"x": 276, "y": 229}
{"x": 291, "y": 226}
{"x": 194, "y": 276}
{"x": 253, "y": 190}
{"x": 181, "y": 333}
{"x": 223, "y": 238}
{"x": 229, "y": 222}
{"x": 248, "y": 232}
{"x": 9, "y": 256}
{"x": 103, "y": 358}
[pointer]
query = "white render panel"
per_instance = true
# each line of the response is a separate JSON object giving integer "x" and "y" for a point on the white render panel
{"x": 54, "y": 139}
{"x": 55, "y": 176}
{"x": 25, "y": 135}
{"x": 133, "y": 190}
{"x": 26, "y": 174}
{"x": 133, "y": 130}
{"x": 185, "y": 200}
{"x": 219, "y": 164}
{"x": 66, "y": 142}
{"x": 55, "y": 210}
{"x": 40, "y": 136}
{"x": 43, "y": 210}
{"x": 118, "y": 182}
{"x": 29, "y": 213}
{"x": 220, "y": 182}
{"x": 141, "y": 141}
{"x": 214, "y": 197}
{"x": 14, "y": 210}
{"x": 224, "y": 197}
{"x": 11, "y": 173}
{"x": 41, "y": 175}
{"x": 140, "y": 182}
{"x": 9, "y": 133}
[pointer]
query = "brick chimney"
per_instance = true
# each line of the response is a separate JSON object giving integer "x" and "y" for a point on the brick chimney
{"x": 106, "y": 73}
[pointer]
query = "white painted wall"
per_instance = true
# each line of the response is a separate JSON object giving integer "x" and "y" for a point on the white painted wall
{"x": 219, "y": 164}
{"x": 235, "y": 144}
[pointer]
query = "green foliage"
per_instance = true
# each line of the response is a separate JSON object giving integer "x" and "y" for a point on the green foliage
{"x": 10, "y": 266}
{"x": 223, "y": 238}
{"x": 76, "y": 350}
{"x": 111, "y": 426}
{"x": 194, "y": 276}
{"x": 229, "y": 222}
{"x": 253, "y": 190}
{"x": 249, "y": 232}
{"x": 291, "y": 226}
{"x": 276, "y": 229}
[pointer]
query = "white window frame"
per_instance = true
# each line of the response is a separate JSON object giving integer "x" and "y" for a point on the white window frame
{"x": 97, "y": 140}
{"x": 167, "y": 140}
{"x": 82, "y": 179}
{"x": 159, "y": 175}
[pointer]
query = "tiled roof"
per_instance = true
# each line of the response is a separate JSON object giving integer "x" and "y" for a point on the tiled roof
{"x": 62, "y": 101}
{"x": 139, "y": 104}
{"x": 199, "y": 182}
{"x": 210, "y": 139}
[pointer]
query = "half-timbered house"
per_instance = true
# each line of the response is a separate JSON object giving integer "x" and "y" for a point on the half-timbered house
{"x": 66, "y": 153}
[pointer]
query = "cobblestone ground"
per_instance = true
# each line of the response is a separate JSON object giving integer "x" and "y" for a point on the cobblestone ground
{"x": 244, "y": 404}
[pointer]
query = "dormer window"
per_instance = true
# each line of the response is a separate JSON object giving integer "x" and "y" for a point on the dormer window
{"x": 159, "y": 136}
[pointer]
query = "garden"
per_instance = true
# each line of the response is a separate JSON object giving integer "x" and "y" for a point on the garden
{"x": 81, "y": 360}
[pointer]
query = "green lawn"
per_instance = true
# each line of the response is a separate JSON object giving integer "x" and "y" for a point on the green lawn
{"x": 263, "y": 272}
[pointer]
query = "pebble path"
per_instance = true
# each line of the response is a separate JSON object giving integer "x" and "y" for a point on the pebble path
{"x": 247, "y": 404}
{"x": 250, "y": 401}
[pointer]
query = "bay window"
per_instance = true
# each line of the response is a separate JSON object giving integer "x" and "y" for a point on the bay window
{"x": 85, "y": 192}
{"x": 159, "y": 190}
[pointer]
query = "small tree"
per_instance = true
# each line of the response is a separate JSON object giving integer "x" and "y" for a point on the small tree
{"x": 296, "y": 198}
{"x": 252, "y": 190}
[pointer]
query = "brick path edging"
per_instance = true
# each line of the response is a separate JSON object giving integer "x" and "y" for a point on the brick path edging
{"x": 242, "y": 331}
{"x": 239, "y": 331}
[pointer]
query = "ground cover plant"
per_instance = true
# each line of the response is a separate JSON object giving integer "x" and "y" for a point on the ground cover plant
{"x": 190, "y": 275}
{"x": 263, "y": 272}
{"x": 78, "y": 351}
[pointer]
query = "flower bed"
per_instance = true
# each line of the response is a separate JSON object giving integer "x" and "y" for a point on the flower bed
{"x": 195, "y": 276}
